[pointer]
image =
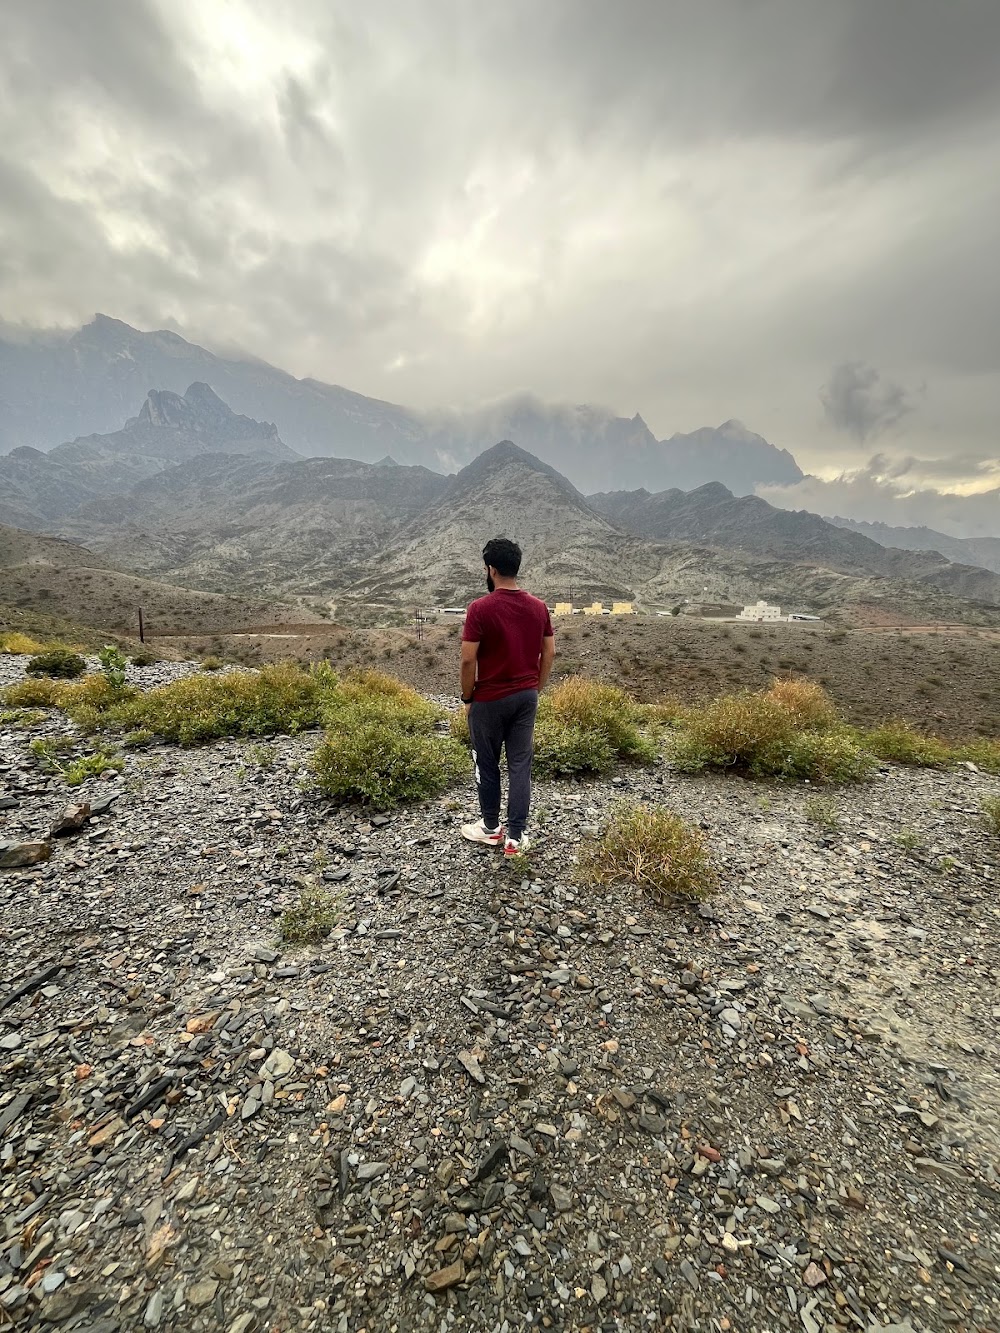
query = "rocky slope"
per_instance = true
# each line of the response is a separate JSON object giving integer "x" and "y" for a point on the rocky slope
{"x": 747, "y": 524}
{"x": 983, "y": 551}
{"x": 494, "y": 1096}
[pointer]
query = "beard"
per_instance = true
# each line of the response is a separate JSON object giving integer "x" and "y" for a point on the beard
{"x": 490, "y": 584}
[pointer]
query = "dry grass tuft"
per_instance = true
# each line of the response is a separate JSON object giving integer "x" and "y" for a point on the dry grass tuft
{"x": 654, "y": 849}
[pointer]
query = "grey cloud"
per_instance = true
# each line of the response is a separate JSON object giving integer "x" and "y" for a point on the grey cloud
{"x": 861, "y": 401}
{"x": 679, "y": 208}
{"x": 878, "y": 492}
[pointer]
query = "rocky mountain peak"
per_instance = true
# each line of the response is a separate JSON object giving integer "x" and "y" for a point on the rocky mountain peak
{"x": 200, "y": 411}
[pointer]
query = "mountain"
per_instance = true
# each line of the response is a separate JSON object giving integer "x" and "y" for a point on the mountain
{"x": 225, "y": 521}
{"x": 570, "y": 551}
{"x": 169, "y": 429}
{"x": 88, "y": 382}
{"x": 749, "y": 525}
{"x": 982, "y": 551}
{"x": 729, "y": 453}
{"x": 574, "y": 553}
{"x": 53, "y": 389}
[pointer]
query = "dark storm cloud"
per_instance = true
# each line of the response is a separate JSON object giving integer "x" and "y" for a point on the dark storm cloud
{"x": 686, "y": 207}
{"x": 861, "y": 401}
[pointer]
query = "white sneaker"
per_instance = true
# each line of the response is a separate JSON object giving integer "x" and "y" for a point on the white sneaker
{"x": 478, "y": 832}
{"x": 512, "y": 847}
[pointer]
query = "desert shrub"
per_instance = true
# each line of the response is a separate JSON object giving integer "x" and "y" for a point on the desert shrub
{"x": 458, "y": 727}
{"x": 41, "y": 692}
{"x": 143, "y": 658}
{"x": 57, "y": 663}
{"x": 985, "y": 754}
{"x": 371, "y": 696}
{"x": 212, "y": 663}
{"x": 788, "y": 731}
{"x": 565, "y": 749}
{"x": 90, "y": 702}
{"x": 819, "y": 756}
{"x": 808, "y": 704}
{"x": 380, "y": 764}
{"x": 92, "y": 766}
{"x": 13, "y": 641}
{"x": 240, "y": 703}
{"x": 991, "y": 813}
{"x": 602, "y": 712}
{"x": 898, "y": 743}
{"x": 734, "y": 730}
{"x": 655, "y": 849}
{"x": 140, "y": 739}
{"x": 312, "y": 918}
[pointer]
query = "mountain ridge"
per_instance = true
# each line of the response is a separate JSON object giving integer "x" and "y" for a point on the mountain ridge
{"x": 85, "y": 384}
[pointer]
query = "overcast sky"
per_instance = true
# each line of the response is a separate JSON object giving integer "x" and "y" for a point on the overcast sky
{"x": 786, "y": 211}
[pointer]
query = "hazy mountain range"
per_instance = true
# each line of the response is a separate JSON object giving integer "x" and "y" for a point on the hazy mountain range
{"x": 54, "y": 389}
{"x": 190, "y": 493}
{"x": 265, "y": 523}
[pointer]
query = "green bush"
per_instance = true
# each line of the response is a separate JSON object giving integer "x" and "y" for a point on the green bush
{"x": 379, "y": 763}
{"x": 655, "y": 849}
{"x": 601, "y": 710}
{"x": 113, "y": 663}
{"x": 566, "y": 750}
{"x": 240, "y": 703}
{"x": 832, "y": 756}
{"x": 788, "y": 731}
{"x": 898, "y": 743}
{"x": 57, "y": 663}
{"x": 985, "y": 754}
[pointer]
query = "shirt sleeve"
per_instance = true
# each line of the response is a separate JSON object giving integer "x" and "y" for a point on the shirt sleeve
{"x": 472, "y": 630}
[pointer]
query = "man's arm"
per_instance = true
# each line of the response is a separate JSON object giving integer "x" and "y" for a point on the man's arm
{"x": 470, "y": 652}
{"x": 547, "y": 658}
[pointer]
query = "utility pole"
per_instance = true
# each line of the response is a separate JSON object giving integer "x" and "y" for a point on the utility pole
{"x": 418, "y": 620}
{"x": 142, "y": 634}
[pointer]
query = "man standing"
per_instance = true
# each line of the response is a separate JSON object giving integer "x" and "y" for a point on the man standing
{"x": 507, "y": 654}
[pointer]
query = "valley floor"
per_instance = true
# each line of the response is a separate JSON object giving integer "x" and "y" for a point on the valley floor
{"x": 495, "y": 1099}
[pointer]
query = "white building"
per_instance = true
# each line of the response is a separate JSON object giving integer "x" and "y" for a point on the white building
{"x": 760, "y": 611}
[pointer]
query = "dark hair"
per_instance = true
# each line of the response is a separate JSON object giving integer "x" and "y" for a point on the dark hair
{"x": 504, "y": 555}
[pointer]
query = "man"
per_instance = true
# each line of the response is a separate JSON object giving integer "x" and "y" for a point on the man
{"x": 507, "y": 654}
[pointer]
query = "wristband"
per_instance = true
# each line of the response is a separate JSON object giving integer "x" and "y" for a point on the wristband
{"x": 465, "y": 700}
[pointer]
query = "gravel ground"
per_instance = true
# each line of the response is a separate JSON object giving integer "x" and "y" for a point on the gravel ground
{"x": 493, "y": 1098}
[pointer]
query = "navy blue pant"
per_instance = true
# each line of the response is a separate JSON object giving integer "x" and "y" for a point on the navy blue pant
{"x": 509, "y": 724}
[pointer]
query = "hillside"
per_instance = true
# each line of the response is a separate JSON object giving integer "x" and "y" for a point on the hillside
{"x": 569, "y": 549}
{"x": 225, "y": 522}
{"x": 496, "y": 1081}
{"x": 43, "y": 488}
{"x": 982, "y": 551}
{"x": 55, "y": 389}
{"x": 749, "y": 525}
{"x": 70, "y": 583}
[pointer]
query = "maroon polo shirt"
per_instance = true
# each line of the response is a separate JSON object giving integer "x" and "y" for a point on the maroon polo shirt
{"x": 509, "y": 626}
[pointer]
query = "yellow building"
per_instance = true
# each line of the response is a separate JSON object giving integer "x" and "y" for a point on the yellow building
{"x": 563, "y": 609}
{"x": 595, "y": 609}
{"x": 622, "y": 609}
